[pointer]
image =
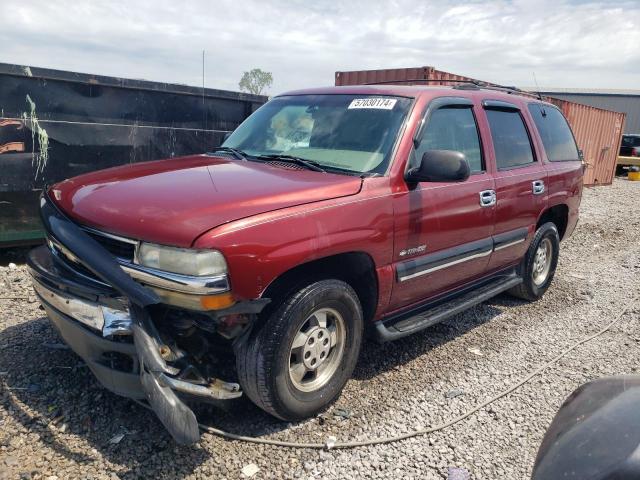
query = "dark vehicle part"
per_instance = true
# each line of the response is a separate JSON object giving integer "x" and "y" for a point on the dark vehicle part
{"x": 629, "y": 156}
{"x": 630, "y": 146}
{"x": 539, "y": 264}
{"x": 440, "y": 166}
{"x": 56, "y": 125}
{"x": 297, "y": 362}
{"x": 596, "y": 433}
{"x": 439, "y": 310}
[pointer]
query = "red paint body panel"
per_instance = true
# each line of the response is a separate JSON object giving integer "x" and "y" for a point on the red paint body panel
{"x": 441, "y": 216}
{"x": 564, "y": 180}
{"x": 260, "y": 248}
{"x": 267, "y": 220}
{"x": 517, "y": 208}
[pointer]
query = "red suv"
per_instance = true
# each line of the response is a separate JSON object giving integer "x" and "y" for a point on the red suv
{"x": 327, "y": 213}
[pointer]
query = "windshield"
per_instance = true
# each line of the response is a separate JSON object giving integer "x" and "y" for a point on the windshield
{"x": 355, "y": 133}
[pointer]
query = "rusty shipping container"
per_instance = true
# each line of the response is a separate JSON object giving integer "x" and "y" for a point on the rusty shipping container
{"x": 598, "y": 132}
{"x": 402, "y": 76}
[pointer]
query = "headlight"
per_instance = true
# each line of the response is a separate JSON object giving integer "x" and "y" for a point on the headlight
{"x": 185, "y": 261}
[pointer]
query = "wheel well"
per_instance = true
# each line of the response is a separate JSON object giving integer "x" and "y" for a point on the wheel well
{"x": 558, "y": 214}
{"x": 355, "y": 268}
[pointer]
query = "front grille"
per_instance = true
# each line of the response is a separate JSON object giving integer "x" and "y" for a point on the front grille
{"x": 118, "y": 248}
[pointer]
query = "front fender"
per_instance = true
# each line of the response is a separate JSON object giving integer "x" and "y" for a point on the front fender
{"x": 264, "y": 247}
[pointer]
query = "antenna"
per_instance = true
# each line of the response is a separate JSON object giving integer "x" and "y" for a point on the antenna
{"x": 535, "y": 80}
{"x": 204, "y": 111}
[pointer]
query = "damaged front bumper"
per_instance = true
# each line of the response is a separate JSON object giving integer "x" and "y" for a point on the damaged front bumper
{"x": 106, "y": 318}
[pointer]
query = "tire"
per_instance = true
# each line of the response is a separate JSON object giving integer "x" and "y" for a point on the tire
{"x": 534, "y": 284}
{"x": 265, "y": 357}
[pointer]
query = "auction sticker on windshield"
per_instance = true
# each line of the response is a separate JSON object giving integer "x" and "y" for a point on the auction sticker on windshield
{"x": 380, "y": 103}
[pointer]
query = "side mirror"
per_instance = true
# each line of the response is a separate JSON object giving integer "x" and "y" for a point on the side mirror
{"x": 440, "y": 166}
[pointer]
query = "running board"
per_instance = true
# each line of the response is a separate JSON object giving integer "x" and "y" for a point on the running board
{"x": 409, "y": 323}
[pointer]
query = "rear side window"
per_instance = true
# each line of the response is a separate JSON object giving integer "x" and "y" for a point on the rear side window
{"x": 453, "y": 129}
{"x": 556, "y": 135}
{"x": 631, "y": 140}
{"x": 510, "y": 139}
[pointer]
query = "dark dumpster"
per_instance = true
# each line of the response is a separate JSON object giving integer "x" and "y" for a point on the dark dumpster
{"x": 56, "y": 125}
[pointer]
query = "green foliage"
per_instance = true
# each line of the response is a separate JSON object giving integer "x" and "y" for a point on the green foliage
{"x": 255, "y": 81}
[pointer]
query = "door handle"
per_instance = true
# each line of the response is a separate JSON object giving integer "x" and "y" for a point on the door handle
{"x": 487, "y": 198}
{"x": 537, "y": 187}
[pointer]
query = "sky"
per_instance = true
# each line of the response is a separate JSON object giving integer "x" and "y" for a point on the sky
{"x": 563, "y": 43}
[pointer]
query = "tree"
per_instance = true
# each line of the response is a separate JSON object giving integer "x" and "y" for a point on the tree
{"x": 255, "y": 81}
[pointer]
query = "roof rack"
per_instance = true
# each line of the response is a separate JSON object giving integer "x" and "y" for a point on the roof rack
{"x": 425, "y": 80}
{"x": 464, "y": 85}
{"x": 499, "y": 88}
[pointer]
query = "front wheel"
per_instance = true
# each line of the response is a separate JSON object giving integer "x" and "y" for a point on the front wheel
{"x": 296, "y": 363}
{"x": 539, "y": 263}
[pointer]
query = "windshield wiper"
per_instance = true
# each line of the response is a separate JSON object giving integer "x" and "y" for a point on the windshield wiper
{"x": 310, "y": 164}
{"x": 239, "y": 154}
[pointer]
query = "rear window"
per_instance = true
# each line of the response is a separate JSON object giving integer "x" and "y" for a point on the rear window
{"x": 510, "y": 139}
{"x": 630, "y": 141}
{"x": 556, "y": 135}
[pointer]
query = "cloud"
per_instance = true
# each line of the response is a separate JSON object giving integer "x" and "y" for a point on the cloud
{"x": 566, "y": 43}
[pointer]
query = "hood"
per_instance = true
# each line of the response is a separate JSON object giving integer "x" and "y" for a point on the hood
{"x": 174, "y": 201}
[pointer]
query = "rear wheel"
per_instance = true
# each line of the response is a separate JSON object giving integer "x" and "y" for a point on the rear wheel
{"x": 296, "y": 363}
{"x": 539, "y": 263}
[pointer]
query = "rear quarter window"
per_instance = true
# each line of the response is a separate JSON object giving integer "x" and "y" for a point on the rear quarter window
{"x": 556, "y": 135}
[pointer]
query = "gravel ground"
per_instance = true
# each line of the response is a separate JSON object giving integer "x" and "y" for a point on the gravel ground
{"x": 57, "y": 422}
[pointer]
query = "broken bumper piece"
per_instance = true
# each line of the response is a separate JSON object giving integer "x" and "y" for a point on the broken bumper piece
{"x": 160, "y": 387}
{"x": 105, "y": 319}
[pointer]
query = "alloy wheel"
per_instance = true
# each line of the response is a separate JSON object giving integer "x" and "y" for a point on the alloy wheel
{"x": 317, "y": 350}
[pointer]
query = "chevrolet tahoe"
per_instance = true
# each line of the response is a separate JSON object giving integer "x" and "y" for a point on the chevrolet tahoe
{"x": 329, "y": 213}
